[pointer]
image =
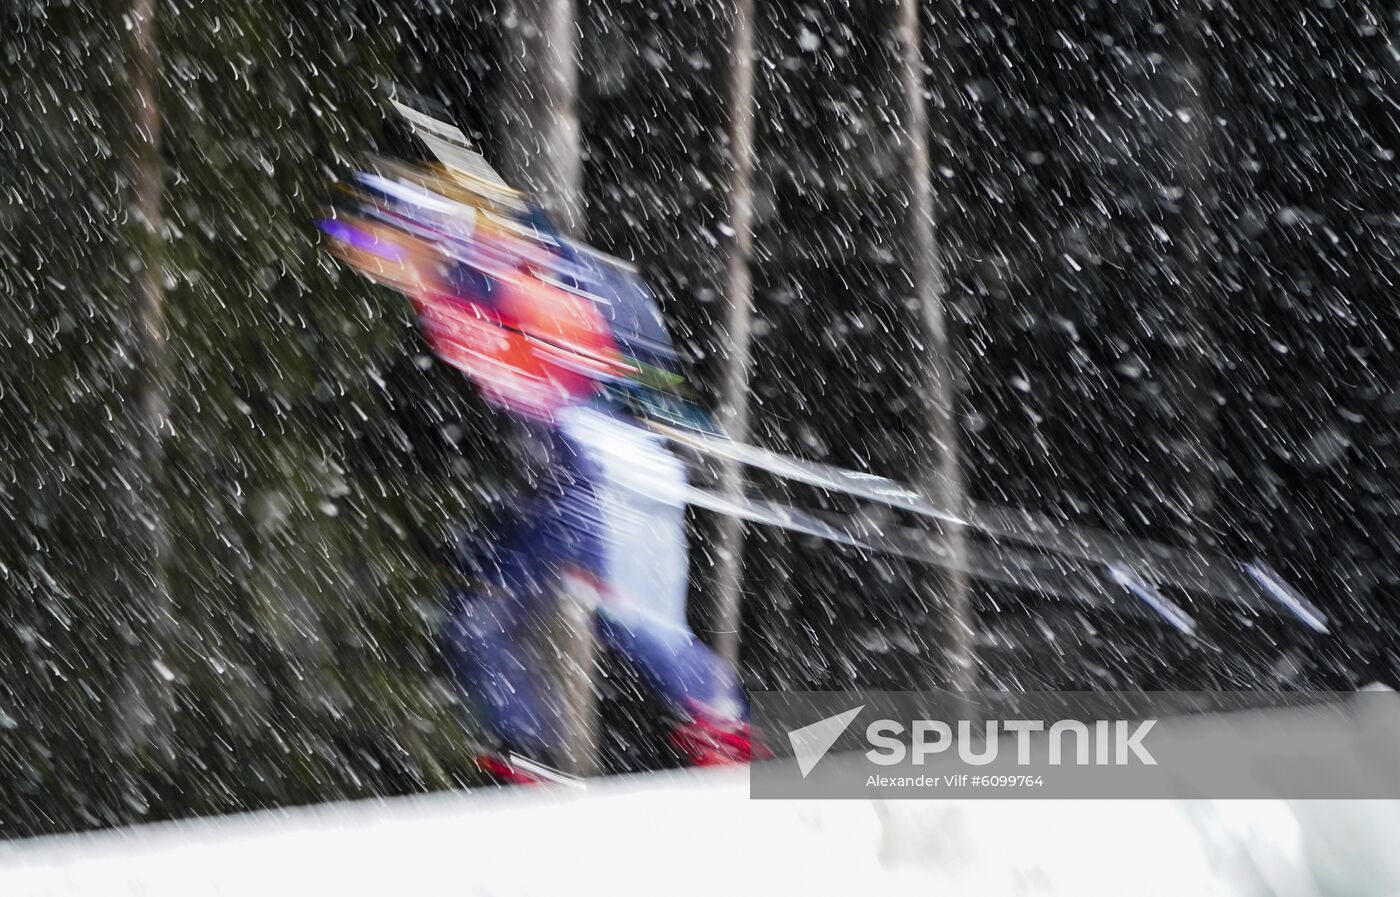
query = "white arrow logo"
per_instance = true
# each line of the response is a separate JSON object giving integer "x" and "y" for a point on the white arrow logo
{"x": 810, "y": 743}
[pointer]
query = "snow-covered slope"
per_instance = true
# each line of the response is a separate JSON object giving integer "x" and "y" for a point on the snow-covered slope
{"x": 699, "y": 833}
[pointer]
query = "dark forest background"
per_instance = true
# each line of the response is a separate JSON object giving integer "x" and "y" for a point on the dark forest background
{"x": 1170, "y": 232}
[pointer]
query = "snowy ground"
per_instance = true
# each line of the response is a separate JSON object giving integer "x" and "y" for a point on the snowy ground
{"x": 699, "y": 833}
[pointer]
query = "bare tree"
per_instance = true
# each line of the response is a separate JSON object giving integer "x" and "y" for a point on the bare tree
{"x": 542, "y": 136}
{"x": 734, "y": 396}
{"x": 146, "y": 708}
{"x": 1195, "y": 376}
{"x": 1199, "y": 413}
{"x": 945, "y": 593}
{"x": 544, "y": 155}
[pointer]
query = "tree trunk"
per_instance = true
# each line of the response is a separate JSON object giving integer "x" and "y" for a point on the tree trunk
{"x": 1199, "y": 311}
{"x": 145, "y": 710}
{"x": 734, "y": 397}
{"x": 1195, "y": 374}
{"x": 544, "y": 156}
{"x": 944, "y": 593}
{"x": 542, "y": 136}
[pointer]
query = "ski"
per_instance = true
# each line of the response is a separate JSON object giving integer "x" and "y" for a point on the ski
{"x": 1140, "y": 566}
{"x": 1000, "y": 564}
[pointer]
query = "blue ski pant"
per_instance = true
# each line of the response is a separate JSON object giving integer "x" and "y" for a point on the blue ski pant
{"x": 498, "y": 646}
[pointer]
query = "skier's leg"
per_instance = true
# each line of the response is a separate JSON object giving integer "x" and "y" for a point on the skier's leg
{"x": 701, "y": 688}
{"x": 502, "y": 671}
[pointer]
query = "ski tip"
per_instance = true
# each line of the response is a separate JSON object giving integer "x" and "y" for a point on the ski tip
{"x": 1168, "y": 610}
{"x": 1285, "y": 595}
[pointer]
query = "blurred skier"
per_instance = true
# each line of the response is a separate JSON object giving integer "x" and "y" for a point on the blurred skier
{"x": 606, "y": 524}
{"x": 571, "y": 344}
